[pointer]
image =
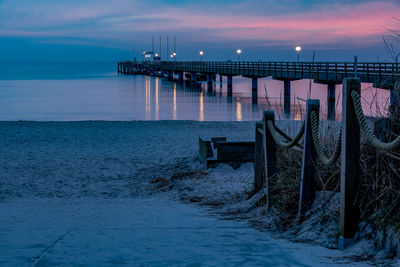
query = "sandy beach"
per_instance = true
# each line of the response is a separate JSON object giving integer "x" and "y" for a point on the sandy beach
{"x": 76, "y": 191}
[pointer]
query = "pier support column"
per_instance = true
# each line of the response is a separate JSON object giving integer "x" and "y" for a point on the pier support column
{"x": 180, "y": 76}
{"x": 170, "y": 75}
{"x": 254, "y": 90}
{"x": 394, "y": 97}
{"x": 331, "y": 101}
{"x": 193, "y": 79}
{"x": 286, "y": 97}
{"x": 229, "y": 82}
{"x": 210, "y": 82}
{"x": 220, "y": 81}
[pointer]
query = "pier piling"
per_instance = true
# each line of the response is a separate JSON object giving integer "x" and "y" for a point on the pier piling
{"x": 331, "y": 101}
{"x": 254, "y": 90}
{"x": 193, "y": 77}
{"x": 229, "y": 85}
{"x": 286, "y": 97}
{"x": 180, "y": 76}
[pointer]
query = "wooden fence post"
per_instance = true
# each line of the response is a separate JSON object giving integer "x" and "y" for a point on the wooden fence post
{"x": 259, "y": 180}
{"x": 350, "y": 165}
{"x": 307, "y": 184}
{"x": 269, "y": 147}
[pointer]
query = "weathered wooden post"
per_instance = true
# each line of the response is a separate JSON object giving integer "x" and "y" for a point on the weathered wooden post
{"x": 259, "y": 180}
{"x": 269, "y": 147}
{"x": 307, "y": 184}
{"x": 350, "y": 165}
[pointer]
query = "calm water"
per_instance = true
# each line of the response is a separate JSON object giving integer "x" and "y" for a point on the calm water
{"x": 71, "y": 91}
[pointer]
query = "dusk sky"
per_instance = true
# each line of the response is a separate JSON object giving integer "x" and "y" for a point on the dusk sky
{"x": 105, "y": 30}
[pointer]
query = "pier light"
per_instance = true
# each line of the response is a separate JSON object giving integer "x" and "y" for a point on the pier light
{"x": 238, "y": 52}
{"x": 298, "y": 49}
{"x": 201, "y": 55}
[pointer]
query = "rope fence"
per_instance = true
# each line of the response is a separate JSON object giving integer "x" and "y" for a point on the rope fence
{"x": 307, "y": 140}
{"x": 367, "y": 130}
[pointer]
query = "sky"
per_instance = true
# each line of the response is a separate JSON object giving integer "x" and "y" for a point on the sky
{"x": 105, "y": 30}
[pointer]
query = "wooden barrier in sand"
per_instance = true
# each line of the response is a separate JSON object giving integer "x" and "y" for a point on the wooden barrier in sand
{"x": 268, "y": 137}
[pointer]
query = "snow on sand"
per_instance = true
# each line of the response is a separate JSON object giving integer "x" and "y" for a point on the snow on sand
{"x": 79, "y": 193}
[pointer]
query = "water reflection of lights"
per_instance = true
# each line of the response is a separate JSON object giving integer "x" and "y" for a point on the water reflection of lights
{"x": 157, "y": 106}
{"x": 174, "y": 115}
{"x": 238, "y": 110}
{"x": 297, "y": 116}
{"x": 148, "y": 98}
{"x": 201, "y": 117}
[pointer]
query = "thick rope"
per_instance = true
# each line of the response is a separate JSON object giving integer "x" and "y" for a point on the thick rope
{"x": 282, "y": 133}
{"x": 367, "y": 130}
{"x": 287, "y": 137}
{"x": 278, "y": 140}
{"x": 318, "y": 146}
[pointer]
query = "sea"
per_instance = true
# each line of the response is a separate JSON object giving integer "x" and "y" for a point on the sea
{"x": 80, "y": 91}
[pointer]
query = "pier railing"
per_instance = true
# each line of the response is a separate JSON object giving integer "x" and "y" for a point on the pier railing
{"x": 374, "y": 72}
{"x": 268, "y": 137}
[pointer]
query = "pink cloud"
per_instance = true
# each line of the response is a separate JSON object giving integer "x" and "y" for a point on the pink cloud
{"x": 364, "y": 22}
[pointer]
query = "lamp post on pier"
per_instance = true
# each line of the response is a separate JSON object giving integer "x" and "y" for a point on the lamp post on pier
{"x": 238, "y": 52}
{"x": 201, "y": 55}
{"x": 298, "y": 49}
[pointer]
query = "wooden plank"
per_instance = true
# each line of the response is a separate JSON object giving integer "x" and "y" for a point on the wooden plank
{"x": 216, "y": 140}
{"x": 350, "y": 165}
{"x": 236, "y": 151}
{"x": 205, "y": 151}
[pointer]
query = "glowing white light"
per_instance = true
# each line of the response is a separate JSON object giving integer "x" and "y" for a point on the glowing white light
{"x": 298, "y": 49}
{"x": 238, "y": 51}
{"x": 201, "y": 53}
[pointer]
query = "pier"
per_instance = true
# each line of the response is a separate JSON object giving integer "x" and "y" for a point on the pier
{"x": 380, "y": 74}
